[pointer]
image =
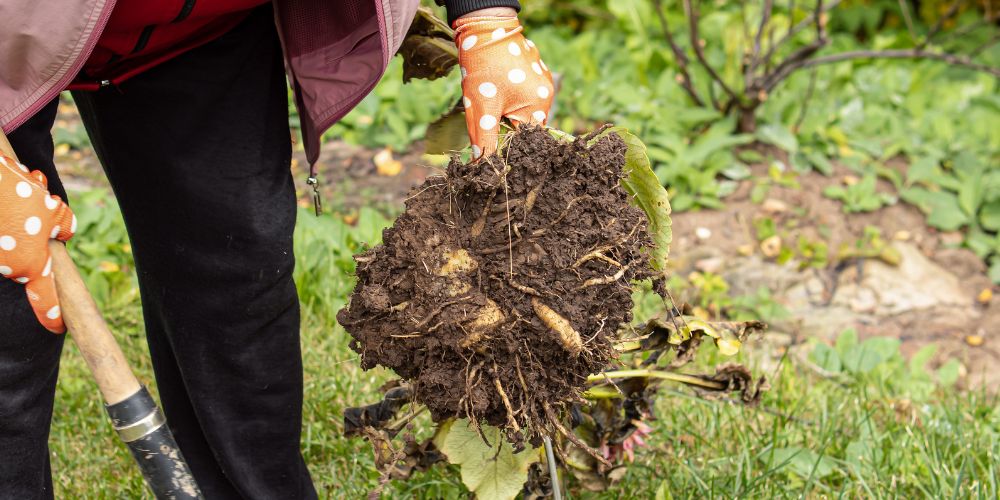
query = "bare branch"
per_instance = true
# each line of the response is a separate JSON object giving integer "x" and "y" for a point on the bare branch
{"x": 797, "y": 59}
{"x": 955, "y": 60}
{"x": 987, "y": 19}
{"x": 682, "y": 60}
{"x": 952, "y": 10}
{"x": 801, "y": 25}
{"x": 805, "y": 101}
{"x": 765, "y": 16}
{"x": 692, "y": 14}
{"x": 904, "y": 7}
{"x": 987, "y": 44}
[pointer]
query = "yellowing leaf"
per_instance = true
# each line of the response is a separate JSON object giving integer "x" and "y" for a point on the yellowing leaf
{"x": 649, "y": 195}
{"x": 728, "y": 347}
{"x": 487, "y": 473}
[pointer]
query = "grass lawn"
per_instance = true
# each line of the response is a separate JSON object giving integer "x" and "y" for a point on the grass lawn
{"x": 853, "y": 420}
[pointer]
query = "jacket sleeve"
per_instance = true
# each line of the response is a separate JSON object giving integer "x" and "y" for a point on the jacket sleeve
{"x": 459, "y": 8}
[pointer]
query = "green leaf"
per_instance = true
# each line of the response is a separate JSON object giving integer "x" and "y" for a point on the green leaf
{"x": 491, "y": 472}
{"x": 826, "y": 358}
{"x": 649, "y": 195}
{"x": 989, "y": 215}
{"x": 862, "y": 454}
{"x": 918, "y": 363}
{"x": 820, "y": 162}
{"x": 846, "y": 341}
{"x": 941, "y": 207}
{"x": 949, "y": 373}
{"x": 779, "y": 136}
{"x": 663, "y": 492}
{"x": 994, "y": 272}
{"x": 804, "y": 462}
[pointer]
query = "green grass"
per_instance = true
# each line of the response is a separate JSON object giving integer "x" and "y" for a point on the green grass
{"x": 872, "y": 426}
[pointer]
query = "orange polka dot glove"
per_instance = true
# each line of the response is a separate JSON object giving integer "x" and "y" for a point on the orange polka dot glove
{"x": 29, "y": 218}
{"x": 502, "y": 76}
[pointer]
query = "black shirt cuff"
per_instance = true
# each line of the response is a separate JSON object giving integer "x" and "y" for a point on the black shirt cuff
{"x": 459, "y": 8}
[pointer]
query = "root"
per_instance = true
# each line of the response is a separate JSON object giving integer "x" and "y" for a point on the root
{"x": 573, "y": 438}
{"x": 506, "y": 402}
{"x": 477, "y": 227}
{"x": 487, "y": 319}
{"x": 605, "y": 280}
{"x": 522, "y": 288}
{"x": 570, "y": 338}
{"x": 600, "y": 130}
{"x": 597, "y": 254}
{"x": 532, "y": 196}
{"x": 422, "y": 323}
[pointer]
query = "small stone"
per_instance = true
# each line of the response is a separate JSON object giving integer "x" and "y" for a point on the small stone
{"x": 851, "y": 180}
{"x": 952, "y": 238}
{"x": 386, "y": 165}
{"x": 902, "y": 236}
{"x": 771, "y": 247}
{"x": 710, "y": 265}
{"x": 745, "y": 250}
{"x": 703, "y": 233}
{"x": 773, "y": 206}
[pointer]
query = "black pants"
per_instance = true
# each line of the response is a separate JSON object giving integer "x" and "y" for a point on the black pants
{"x": 197, "y": 151}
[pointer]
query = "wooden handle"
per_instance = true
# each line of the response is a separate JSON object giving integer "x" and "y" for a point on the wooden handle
{"x": 89, "y": 331}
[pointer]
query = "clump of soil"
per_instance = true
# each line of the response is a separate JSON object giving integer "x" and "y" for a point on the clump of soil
{"x": 503, "y": 284}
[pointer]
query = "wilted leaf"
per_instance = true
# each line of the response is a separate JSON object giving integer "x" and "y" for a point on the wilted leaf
{"x": 379, "y": 414}
{"x": 448, "y": 133}
{"x": 429, "y": 48}
{"x": 729, "y": 336}
{"x": 649, "y": 195}
{"x": 737, "y": 378}
{"x": 490, "y": 472}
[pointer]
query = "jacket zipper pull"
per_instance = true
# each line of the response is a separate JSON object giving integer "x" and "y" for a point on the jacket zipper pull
{"x": 314, "y": 182}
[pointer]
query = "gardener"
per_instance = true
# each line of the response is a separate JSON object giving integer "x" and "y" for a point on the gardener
{"x": 186, "y": 105}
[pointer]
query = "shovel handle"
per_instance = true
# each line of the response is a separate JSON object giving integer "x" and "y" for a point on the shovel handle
{"x": 89, "y": 331}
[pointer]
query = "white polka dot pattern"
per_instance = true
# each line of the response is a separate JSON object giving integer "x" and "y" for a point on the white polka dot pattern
{"x": 29, "y": 218}
{"x": 502, "y": 76}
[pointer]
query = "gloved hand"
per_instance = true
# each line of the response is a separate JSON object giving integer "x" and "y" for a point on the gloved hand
{"x": 502, "y": 76}
{"x": 29, "y": 218}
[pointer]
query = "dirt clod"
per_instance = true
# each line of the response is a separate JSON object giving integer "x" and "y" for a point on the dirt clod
{"x": 503, "y": 284}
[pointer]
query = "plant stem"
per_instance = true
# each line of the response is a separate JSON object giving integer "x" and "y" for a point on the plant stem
{"x": 659, "y": 374}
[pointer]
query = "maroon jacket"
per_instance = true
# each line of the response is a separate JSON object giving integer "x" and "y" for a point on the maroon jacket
{"x": 335, "y": 52}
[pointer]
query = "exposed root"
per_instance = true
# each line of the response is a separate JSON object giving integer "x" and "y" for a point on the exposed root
{"x": 573, "y": 438}
{"x": 567, "y": 334}
{"x": 605, "y": 280}
{"x": 506, "y": 402}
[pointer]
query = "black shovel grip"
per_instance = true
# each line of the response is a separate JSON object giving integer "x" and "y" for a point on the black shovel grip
{"x": 141, "y": 425}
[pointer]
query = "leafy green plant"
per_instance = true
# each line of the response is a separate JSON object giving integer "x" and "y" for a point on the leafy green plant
{"x": 860, "y": 196}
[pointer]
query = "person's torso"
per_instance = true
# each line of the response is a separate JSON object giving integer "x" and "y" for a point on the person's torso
{"x": 141, "y": 34}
